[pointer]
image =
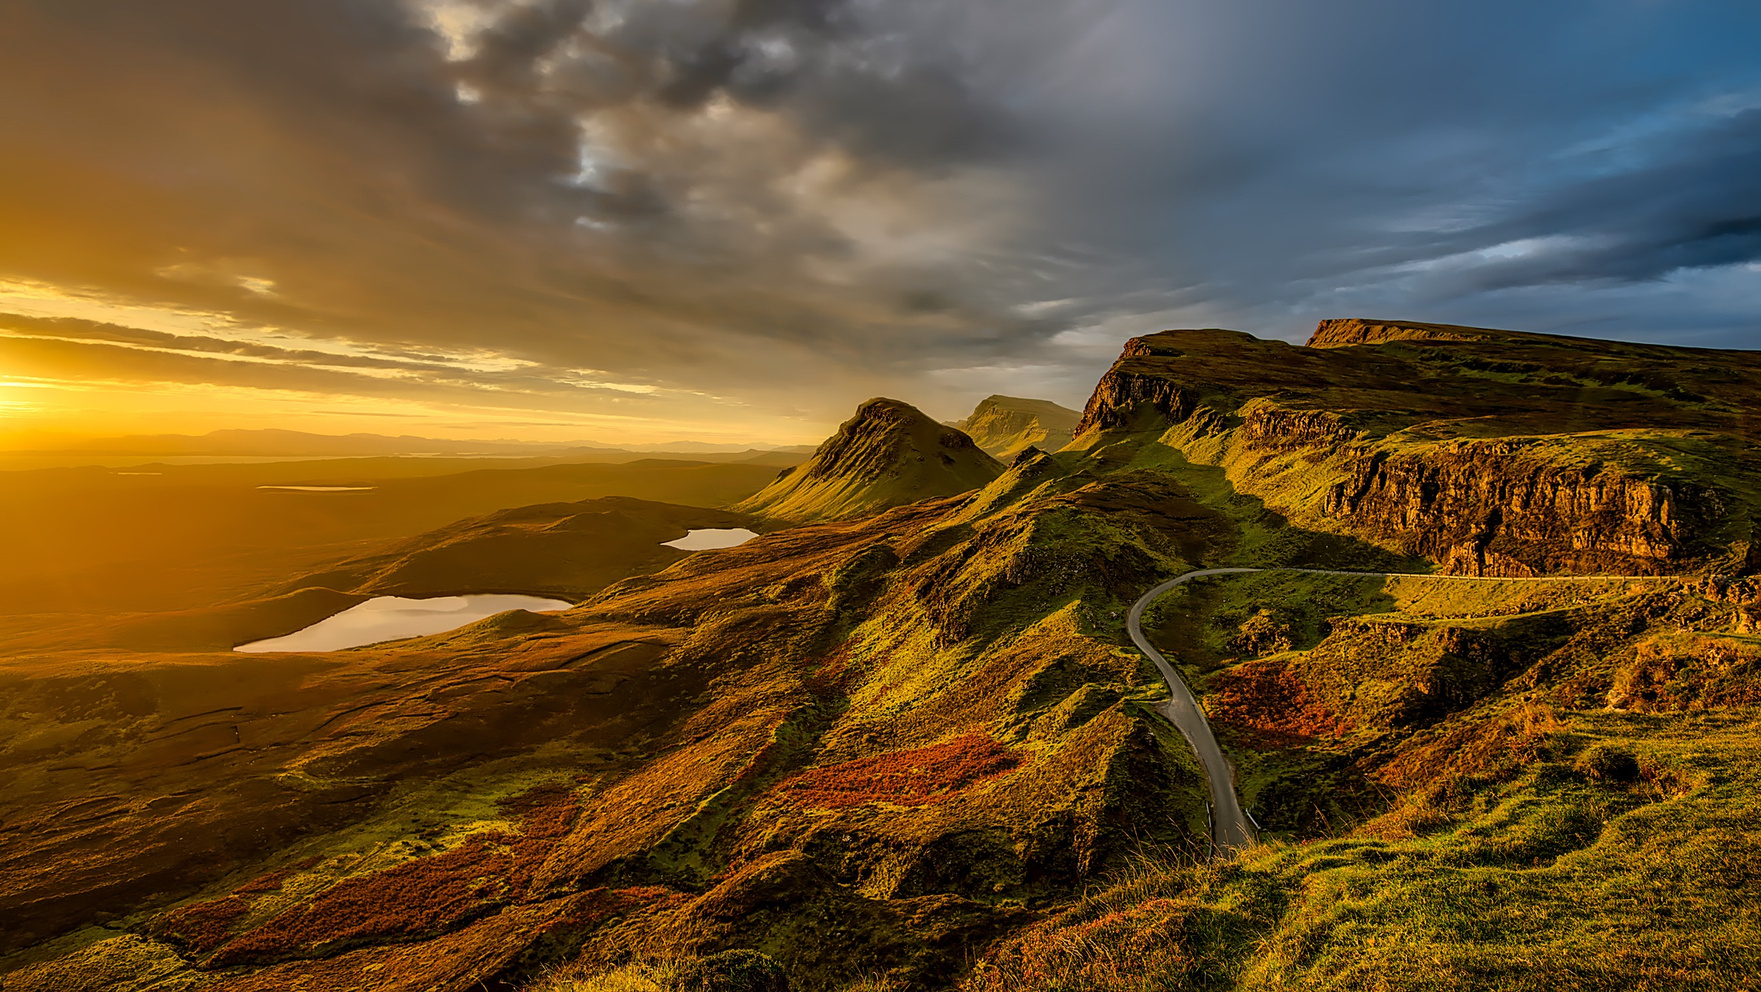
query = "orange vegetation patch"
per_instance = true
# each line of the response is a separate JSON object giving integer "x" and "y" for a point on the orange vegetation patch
{"x": 420, "y": 897}
{"x": 202, "y": 926}
{"x": 467, "y": 958}
{"x": 1269, "y": 705}
{"x": 906, "y": 778}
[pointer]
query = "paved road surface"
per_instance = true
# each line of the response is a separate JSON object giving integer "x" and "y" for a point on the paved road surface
{"x": 1231, "y": 829}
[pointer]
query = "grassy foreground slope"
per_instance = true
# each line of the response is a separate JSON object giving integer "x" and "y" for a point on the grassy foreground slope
{"x": 903, "y": 723}
{"x": 911, "y": 750}
{"x": 1489, "y": 787}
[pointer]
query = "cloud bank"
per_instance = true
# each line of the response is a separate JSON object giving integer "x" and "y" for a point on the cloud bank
{"x": 754, "y": 212}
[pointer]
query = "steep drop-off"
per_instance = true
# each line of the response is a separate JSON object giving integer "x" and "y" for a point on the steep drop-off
{"x": 1487, "y": 452}
{"x": 888, "y": 454}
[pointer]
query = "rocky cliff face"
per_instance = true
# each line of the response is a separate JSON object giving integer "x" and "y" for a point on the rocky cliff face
{"x": 1347, "y": 331}
{"x": 1488, "y": 452}
{"x": 1274, "y": 428}
{"x": 1122, "y": 396}
{"x": 1489, "y": 509}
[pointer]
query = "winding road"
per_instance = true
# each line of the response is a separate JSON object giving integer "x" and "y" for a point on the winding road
{"x": 1231, "y": 830}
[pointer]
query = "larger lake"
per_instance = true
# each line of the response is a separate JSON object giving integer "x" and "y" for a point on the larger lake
{"x": 711, "y": 538}
{"x": 390, "y": 618}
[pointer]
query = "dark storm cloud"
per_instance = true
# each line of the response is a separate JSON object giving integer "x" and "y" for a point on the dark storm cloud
{"x": 792, "y": 202}
{"x": 1697, "y": 206}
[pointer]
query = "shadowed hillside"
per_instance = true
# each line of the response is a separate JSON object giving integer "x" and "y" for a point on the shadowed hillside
{"x": 557, "y": 549}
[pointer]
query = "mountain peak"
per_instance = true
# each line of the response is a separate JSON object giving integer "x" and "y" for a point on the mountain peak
{"x": 1004, "y": 425}
{"x": 889, "y": 454}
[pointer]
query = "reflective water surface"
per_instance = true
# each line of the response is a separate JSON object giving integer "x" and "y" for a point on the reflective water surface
{"x": 388, "y": 618}
{"x": 708, "y": 539}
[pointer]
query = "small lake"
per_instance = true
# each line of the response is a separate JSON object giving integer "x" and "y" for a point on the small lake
{"x": 319, "y": 489}
{"x": 709, "y": 539}
{"x": 390, "y": 618}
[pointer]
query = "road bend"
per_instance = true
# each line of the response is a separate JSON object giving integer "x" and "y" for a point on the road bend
{"x": 1231, "y": 829}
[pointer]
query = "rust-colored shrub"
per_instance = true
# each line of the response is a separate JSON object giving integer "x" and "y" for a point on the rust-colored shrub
{"x": 1269, "y": 705}
{"x": 203, "y": 926}
{"x": 423, "y": 896}
{"x": 912, "y": 777}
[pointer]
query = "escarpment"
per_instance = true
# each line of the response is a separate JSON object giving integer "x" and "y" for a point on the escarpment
{"x": 1347, "y": 331}
{"x": 1274, "y": 428}
{"x": 1486, "y": 509}
{"x": 1121, "y": 395}
{"x": 1488, "y": 452}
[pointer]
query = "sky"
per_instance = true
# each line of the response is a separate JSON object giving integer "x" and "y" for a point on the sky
{"x": 733, "y": 220}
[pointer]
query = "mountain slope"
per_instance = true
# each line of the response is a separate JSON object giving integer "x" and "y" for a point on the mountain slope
{"x": 1004, "y": 425}
{"x": 888, "y": 454}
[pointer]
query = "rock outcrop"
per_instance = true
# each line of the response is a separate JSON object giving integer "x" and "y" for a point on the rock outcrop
{"x": 1344, "y": 332}
{"x": 1121, "y": 397}
{"x": 1489, "y": 452}
{"x": 1489, "y": 509}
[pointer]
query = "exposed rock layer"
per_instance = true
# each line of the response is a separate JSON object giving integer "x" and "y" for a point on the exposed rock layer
{"x": 1489, "y": 452}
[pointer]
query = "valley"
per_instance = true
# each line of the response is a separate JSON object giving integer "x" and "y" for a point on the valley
{"x": 1467, "y": 621}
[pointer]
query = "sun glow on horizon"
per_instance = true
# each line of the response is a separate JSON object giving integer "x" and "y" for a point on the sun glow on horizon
{"x": 66, "y": 359}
